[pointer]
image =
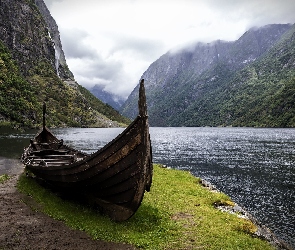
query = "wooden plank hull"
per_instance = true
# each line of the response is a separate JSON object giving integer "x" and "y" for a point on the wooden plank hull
{"x": 115, "y": 177}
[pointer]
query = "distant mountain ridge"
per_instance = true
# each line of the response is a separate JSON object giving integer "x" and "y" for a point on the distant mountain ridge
{"x": 33, "y": 69}
{"x": 222, "y": 83}
{"x": 113, "y": 100}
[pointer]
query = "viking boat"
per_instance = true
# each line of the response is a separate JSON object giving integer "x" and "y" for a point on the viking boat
{"x": 114, "y": 178}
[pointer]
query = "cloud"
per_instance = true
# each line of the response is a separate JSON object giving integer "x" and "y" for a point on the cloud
{"x": 74, "y": 42}
{"x": 97, "y": 70}
{"x": 50, "y": 2}
{"x": 255, "y": 12}
{"x": 144, "y": 48}
{"x": 113, "y": 42}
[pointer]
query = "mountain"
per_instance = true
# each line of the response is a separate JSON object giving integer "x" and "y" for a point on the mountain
{"x": 60, "y": 59}
{"x": 113, "y": 100}
{"x": 247, "y": 82}
{"x": 33, "y": 69}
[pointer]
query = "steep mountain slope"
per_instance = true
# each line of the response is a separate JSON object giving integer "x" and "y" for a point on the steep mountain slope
{"x": 33, "y": 69}
{"x": 60, "y": 59}
{"x": 223, "y": 83}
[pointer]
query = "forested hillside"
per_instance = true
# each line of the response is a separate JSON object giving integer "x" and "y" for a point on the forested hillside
{"x": 33, "y": 70}
{"x": 248, "y": 82}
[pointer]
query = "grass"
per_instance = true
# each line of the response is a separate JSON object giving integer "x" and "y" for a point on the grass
{"x": 4, "y": 178}
{"x": 178, "y": 213}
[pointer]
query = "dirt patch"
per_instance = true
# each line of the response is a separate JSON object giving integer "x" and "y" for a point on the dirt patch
{"x": 182, "y": 216}
{"x": 22, "y": 228}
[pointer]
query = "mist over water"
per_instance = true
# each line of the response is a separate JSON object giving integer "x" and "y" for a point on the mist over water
{"x": 254, "y": 166}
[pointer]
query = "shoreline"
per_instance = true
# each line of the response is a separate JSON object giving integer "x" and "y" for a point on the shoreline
{"x": 6, "y": 166}
{"x": 21, "y": 227}
{"x": 21, "y": 218}
{"x": 262, "y": 231}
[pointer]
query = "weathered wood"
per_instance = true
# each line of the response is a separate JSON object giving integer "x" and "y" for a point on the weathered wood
{"x": 52, "y": 159}
{"x": 52, "y": 156}
{"x": 115, "y": 177}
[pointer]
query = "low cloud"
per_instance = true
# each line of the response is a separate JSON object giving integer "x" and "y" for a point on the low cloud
{"x": 95, "y": 70}
{"x": 113, "y": 42}
{"x": 117, "y": 68}
{"x": 74, "y": 44}
{"x": 255, "y": 12}
{"x": 146, "y": 49}
{"x": 50, "y": 2}
{"x": 92, "y": 68}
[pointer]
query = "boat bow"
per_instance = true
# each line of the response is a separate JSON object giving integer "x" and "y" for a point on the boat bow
{"x": 114, "y": 178}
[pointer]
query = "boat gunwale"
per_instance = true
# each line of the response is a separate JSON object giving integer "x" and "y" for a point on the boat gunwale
{"x": 50, "y": 177}
{"x": 89, "y": 157}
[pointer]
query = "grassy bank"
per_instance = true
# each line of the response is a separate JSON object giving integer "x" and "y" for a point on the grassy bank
{"x": 178, "y": 213}
{"x": 3, "y": 178}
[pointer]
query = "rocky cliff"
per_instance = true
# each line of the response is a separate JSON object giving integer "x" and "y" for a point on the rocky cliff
{"x": 61, "y": 66}
{"x": 29, "y": 38}
{"x": 25, "y": 34}
{"x": 200, "y": 85}
{"x": 33, "y": 69}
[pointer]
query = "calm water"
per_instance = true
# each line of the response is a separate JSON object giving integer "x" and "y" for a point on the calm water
{"x": 255, "y": 167}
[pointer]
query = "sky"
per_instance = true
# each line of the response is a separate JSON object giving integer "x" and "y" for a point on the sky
{"x": 113, "y": 42}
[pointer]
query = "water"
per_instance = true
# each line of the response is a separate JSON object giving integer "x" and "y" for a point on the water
{"x": 255, "y": 167}
{"x": 12, "y": 142}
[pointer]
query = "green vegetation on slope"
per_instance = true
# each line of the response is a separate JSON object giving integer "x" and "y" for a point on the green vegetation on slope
{"x": 178, "y": 213}
{"x": 21, "y": 99}
{"x": 260, "y": 95}
{"x": 4, "y": 178}
{"x": 249, "y": 82}
{"x": 17, "y": 98}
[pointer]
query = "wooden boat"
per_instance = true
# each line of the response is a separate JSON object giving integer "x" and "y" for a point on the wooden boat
{"x": 114, "y": 178}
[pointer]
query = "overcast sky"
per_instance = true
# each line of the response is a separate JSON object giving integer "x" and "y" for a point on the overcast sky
{"x": 112, "y": 42}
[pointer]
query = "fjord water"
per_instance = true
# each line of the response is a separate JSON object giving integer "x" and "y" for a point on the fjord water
{"x": 254, "y": 166}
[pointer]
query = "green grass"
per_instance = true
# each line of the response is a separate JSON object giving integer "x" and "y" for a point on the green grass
{"x": 178, "y": 213}
{"x": 4, "y": 178}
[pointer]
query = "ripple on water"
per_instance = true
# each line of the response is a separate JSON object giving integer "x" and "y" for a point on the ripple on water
{"x": 253, "y": 166}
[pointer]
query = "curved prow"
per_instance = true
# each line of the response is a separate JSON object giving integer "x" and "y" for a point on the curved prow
{"x": 142, "y": 100}
{"x": 114, "y": 178}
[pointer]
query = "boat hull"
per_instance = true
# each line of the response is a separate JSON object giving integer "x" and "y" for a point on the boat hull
{"x": 115, "y": 177}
